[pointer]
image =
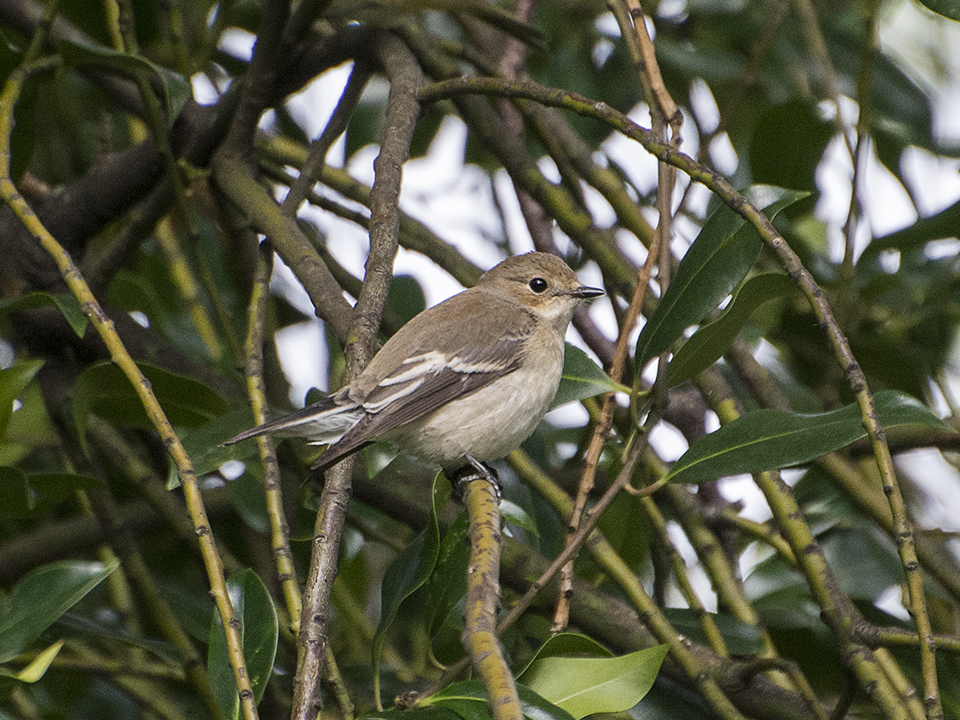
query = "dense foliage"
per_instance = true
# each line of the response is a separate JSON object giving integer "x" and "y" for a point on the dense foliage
{"x": 146, "y": 151}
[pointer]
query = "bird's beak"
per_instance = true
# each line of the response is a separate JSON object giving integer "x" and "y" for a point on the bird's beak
{"x": 585, "y": 292}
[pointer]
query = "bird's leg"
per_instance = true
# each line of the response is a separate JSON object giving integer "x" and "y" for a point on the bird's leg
{"x": 474, "y": 470}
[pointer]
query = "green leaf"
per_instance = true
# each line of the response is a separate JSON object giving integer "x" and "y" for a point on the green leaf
{"x": 718, "y": 260}
{"x": 448, "y": 582}
{"x": 741, "y": 638}
{"x": 12, "y": 382}
{"x": 103, "y": 390}
{"x": 417, "y": 713}
{"x": 948, "y": 8}
{"x": 406, "y": 297}
{"x": 249, "y": 499}
{"x": 29, "y": 428}
{"x": 787, "y": 144}
{"x": 566, "y": 644}
{"x": 23, "y": 137}
{"x": 24, "y": 120}
{"x": 24, "y": 495}
{"x": 103, "y": 627}
{"x": 259, "y": 630}
{"x": 710, "y": 342}
{"x": 42, "y": 596}
{"x": 515, "y": 514}
{"x": 203, "y": 443}
{"x": 67, "y": 304}
{"x": 582, "y": 378}
{"x": 768, "y": 439}
{"x": 626, "y": 526}
{"x": 583, "y": 686}
{"x": 933, "y": 227}
{"x": 176, "y": 90}
{"x": 14, "y": 493}
{"x": 408, "y": 572}
{"x": 38, "y": 668}
{"x": 468, "y": 699}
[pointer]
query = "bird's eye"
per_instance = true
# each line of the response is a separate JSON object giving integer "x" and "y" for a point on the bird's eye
{"x": 538, "y": 285}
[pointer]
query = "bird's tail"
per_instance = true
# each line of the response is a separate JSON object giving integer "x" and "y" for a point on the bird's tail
{"x": 322, "y": 423}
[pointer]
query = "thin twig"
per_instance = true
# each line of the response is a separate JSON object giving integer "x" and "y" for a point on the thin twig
{"x": 402, "y": 112}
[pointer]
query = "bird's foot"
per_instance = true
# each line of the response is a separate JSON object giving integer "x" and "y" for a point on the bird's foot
{"x": 475, "y": 470}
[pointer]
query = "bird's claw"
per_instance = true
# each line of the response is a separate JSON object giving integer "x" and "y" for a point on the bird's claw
{"x": 475, "y": 470}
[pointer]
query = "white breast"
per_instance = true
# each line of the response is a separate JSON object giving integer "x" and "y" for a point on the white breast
{"x": 489, "y": 423}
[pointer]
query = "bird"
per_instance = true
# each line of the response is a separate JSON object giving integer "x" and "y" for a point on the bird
{"x": 463, "y": 383}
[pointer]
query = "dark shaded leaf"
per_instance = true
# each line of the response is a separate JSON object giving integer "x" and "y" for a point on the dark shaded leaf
{"x": 43, "y": 595}
{"x": 176, "y": 90}
{"x": 940, "y": 225}
{"x": 24, "y": 495}
{"x": 406, "y": 297}
{"x": 203, "y": 443}
{"x": 103, "y": 390}
{"x": 67, "y": 304}
{"x": 409, "y": 570}
{"x": 259, "y": 630}
{"x": 787, "y": 144}
{"x": 710, "y": 342}
{"x": 948, "y": 8}
{"x": 741, "y": 638}
{"x": 12, "y": 382}
{"x": 448, "y": 582}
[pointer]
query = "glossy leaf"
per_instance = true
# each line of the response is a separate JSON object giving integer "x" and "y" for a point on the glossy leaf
{"x": 787, "y": 145}
{"x": 448, "y": 582}
{"x": 741, "y": 638}
{"x": 566, "y": 643}
{"x": 409, "y": 571}
{"x": 710, "y": 342}
{"x": 769, "y": 439}
{"x": 176, "y": 90}
{"x": 12, "y": 382}
{"x": 515, "y": 514}
{"x": 103, "y": 390}
{"x": 582, "y": 378}
{"x": 718, "y": 260}
{"x": 583, "y": 686}
{"x": 947, "y": 8}
{"x": 24, "y": 495}
{"x": 203, "y": 443}
{"x": 468, "y": 699}
{"x": 259, "y": 630}
{"x": 65, "y": 303}
{"x": 417, "y": 713}
{"x": 42, "y": 596}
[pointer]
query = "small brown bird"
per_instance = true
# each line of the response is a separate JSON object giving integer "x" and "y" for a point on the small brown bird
{"x": 465, "y": 381}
